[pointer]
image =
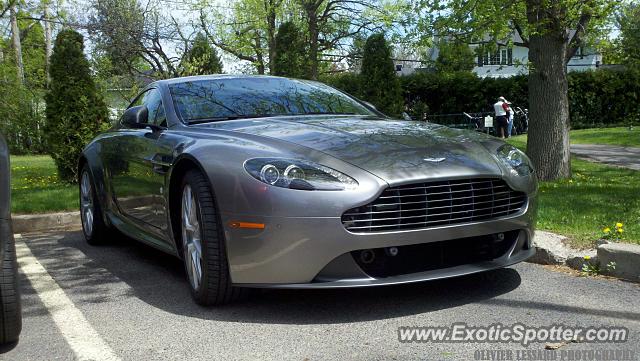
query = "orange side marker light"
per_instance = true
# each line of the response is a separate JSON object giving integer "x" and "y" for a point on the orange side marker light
{"x": 248, "y": 225}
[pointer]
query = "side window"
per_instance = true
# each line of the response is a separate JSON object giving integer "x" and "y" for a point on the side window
{"x": 153, "y": 101}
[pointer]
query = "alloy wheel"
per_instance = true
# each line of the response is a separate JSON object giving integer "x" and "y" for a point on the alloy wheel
{"x": 191, "y": 237}
{"x": 86, "y": 204}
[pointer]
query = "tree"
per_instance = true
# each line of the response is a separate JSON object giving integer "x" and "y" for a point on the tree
{"x": 201, "y": 58}
{"x": 329, "y": 22}
{"x": 553, "y": 30}
{"x": 33, "y": 53}
{"x": 629, "y": 43}
{"x": 15, "y": 41}
{"x": 75, "y": 112}
{"x": 454, "y": 56}
{"x": 135, "y": 39}
{"x": 247, "y": 31}
{"x": 379, "y": 83}
{"x": 289, "y": 52}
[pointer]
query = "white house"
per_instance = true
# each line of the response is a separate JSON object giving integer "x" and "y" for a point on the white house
{"x": 512, "y": 60}
{"x": 509, "y": 61}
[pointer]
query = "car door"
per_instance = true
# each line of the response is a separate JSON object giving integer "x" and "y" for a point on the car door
{"x": 138, "y": 189}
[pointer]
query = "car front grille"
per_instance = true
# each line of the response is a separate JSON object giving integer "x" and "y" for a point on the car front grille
{"x": 430, "y": 204}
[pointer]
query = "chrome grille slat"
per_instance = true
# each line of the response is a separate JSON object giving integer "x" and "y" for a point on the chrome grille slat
{"x": 440, "y": 200}
{"x": 430, "y": 214}
{"x": 431, "y": 223}
{"x": 430, "y": 204}
{"x": 420, "y": 209}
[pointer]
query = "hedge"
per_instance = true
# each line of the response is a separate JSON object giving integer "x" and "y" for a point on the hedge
{"x": 596, "y": 98}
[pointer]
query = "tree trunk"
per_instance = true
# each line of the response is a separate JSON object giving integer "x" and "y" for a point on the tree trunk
{"x": 17, "y": 46}
{"x": 270, "y": 8}
{"x": 47, "y": 41}
{"x": 548, "y": 139}
{"x": 259, "y": 56}
{"x": 311, "y": 11}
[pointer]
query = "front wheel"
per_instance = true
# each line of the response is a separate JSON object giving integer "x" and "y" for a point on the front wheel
{"x": 203, "y": 246}
{"x": 93, "y": 227}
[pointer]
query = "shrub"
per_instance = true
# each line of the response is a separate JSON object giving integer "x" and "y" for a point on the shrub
{"x": 289, "y": 52}
{"x": 201, "y": 58}
{"x": 596, "y": 98}
{"x": 379, "y": 83}
{"x": 75, "y": 112}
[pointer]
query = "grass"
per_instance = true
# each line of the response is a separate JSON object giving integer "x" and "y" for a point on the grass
{"x": 35, "y": 187}
{"x": 613, "y": 136}
{"x": 597, "y": 196}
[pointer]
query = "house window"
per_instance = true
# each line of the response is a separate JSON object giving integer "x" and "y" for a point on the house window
{"x": 502, "y": 56}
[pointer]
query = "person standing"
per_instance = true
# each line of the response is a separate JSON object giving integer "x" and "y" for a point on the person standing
{"x": 502, "y": 110}
{"x": 510, "y": 114}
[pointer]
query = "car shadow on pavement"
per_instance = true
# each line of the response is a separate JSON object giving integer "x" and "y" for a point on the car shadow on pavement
{"x": 95, "y": 274}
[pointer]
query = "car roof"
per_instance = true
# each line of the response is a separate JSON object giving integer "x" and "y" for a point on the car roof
{"x": 212, "y": 77}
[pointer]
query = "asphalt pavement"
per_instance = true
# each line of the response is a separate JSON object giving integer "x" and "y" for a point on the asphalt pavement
{"x": 130, "y": 302}
{"x": 627, "y": 157}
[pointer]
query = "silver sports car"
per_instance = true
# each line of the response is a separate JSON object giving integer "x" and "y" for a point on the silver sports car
{"x": 261, "y": 181}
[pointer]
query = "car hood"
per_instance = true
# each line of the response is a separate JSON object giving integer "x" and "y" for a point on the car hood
{"x": 396, "y": 151}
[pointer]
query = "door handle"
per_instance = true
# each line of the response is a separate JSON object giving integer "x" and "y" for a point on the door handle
{"x": 158, "y": 164}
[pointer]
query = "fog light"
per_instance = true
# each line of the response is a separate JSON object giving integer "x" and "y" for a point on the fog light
{"x": 391, "y": 251}
{"x": 367, "y": 256}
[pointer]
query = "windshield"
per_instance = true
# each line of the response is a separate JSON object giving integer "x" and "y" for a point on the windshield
{"x": 224, "y": 99}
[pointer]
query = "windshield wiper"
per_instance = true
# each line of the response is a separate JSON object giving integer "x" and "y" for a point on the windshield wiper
{"x": 327, "y": 113}
{"x": 234, "y": 117}
{"x": 229, "y": 117}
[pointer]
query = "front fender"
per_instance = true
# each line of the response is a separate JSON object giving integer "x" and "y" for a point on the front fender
{"x": 91, "y": 155}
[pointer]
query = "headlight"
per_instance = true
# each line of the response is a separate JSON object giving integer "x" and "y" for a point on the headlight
{"x": 298, "y": 174}
{"x": 515, "y": 159}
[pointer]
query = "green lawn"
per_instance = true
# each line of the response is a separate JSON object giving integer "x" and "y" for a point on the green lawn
{"x": 614, "y": 136}
{"x": 597, "y": 196}
{"x": 35, "y": 187}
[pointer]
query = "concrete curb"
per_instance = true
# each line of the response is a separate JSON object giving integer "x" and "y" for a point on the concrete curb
{"x": 24, "y": 223}
{"x": 626, "y": 257}
{"x": 552, "y": 250}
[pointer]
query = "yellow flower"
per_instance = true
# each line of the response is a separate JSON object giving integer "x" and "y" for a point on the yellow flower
{"x": 618, "y": 225}
{"x": 586, "y": 258}
{"x": 620, "y": 230}
{"x": 606, "y": 230}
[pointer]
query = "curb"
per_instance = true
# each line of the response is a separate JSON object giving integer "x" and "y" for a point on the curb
{"x": 552, "y": 250}
{"x": 626, "y": 257}
{"x": 24, "y": 223}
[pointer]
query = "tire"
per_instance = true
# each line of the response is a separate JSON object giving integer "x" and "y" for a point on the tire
{"x": 212, "y": 284}
{"x": 10, "y": 308}
{"x": 95, "y": 231}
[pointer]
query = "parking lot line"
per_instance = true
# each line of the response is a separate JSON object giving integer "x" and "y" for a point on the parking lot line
{"x": 83, "y": 339}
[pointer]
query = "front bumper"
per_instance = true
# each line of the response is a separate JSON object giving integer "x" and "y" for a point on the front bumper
{"x": 315, "y": 252}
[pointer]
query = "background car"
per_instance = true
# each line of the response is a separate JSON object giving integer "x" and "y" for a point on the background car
{"x": 270, "y": 182}
{"x": 10, "y": 308}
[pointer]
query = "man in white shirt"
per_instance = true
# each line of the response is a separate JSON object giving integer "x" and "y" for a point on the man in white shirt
{"x": 502, "y": 110}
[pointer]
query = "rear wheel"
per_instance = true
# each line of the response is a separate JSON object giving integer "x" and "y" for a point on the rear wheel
{"x": 203, "y": 247}
{"x": 93, "y": 227}
{"x": 10, "y": 309}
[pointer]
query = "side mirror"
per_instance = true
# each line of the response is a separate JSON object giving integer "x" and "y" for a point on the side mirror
{"x": 136, "y": 117}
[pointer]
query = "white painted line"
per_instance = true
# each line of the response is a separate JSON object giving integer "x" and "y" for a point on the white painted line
{"x": 83, "y": 339}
